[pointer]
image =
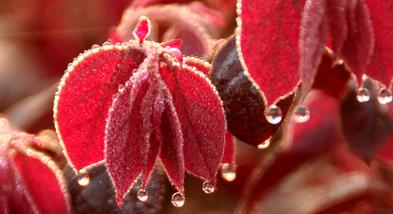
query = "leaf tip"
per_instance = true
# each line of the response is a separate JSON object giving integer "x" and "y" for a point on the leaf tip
{"x": 142, "y": 29}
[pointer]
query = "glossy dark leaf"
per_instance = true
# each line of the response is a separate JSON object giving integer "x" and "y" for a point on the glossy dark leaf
{"x": 366, "y": 126}
{"x": 243, "y": 103}
{"x": 99, "y": 197}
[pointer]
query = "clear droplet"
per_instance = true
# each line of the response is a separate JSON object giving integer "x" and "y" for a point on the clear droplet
{"x": 302, "y": 114}
{"x": 178, "y": 199}
{"x": 208, "y": 187}
{"x": 363, "y": 95}
{"x": 95, "y": 48}
{"x": 142, "y": 195}
{"x": 264, "y": 144}
{"x": 228, "y": 172}
{"x": 273, "y": 114}
{"x": 385, "y": 96}
{"x": 84, "y": 180}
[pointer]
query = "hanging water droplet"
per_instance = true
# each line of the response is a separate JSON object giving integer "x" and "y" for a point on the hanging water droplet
{"x": 208, "y": 187}
{"x": 142, "y": 195}
{"x": 228, "y": 172}
{"x": 84, "y": 180}
{"x": 178, "y": 199}
{"x": 273, "y": 114}
{"x": 264, "y": 144}
{"x": 302, "y": 114}
{"x": 385, "y": 96}
{"x": 363, "y": 95}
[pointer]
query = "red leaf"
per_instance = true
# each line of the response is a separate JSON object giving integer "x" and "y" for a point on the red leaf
{"x": 125, "y": 146}
{"x": 312, "y": 42}
{"x": 381, "y": 64}
{"x": 172, "y": 148}
{"x": 142, "y": 29}
{"x": 28, "y": 179}
{"x": 198, "y": 64}
{"x": 269, "y": 35}
{"x": 152, "y": 107}
{"x": 84, "y": 96}
{"x": 201, "y": 117}
{"x": 173, "y": 112}
{"x": 337, "y": 21}
{"x": 357, "y": 48}
{"x": 43, "y": 181}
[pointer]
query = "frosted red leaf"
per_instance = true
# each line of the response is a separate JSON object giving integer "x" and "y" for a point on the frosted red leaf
{"x": 83, "y": 100}
{"x": 359, "y": 43}
{"x": 125, "y": 158}
{"x": 142, "y": 102}
{"x": 312, "y": 42}
{"x": 31, "y": 182}
{"x": 142, "y": 29}
{"x": 268, "y": 42}
{"x": 381, "y": 64}
{"x": 199, "y": 111}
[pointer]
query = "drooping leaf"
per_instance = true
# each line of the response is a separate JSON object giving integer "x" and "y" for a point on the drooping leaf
{"x": 268, "y": 40}
{"x": 43, "y": 182}
{"x": 172, "y": 148}
{"x": 84, "y": 96}
{"x": 30, "y": 181}
{"x": 243, "y": 103}
{"x": 162, "y": 107}
{"x": 125, "y": 146}
{"x": 366, "y": 126}
{"x": 312, "y": 42}
{"x": 380, "y": 66}
{"x": 201, "y": 117}
{"x": 99, "y": 197}
{"x": 358, "y": 45}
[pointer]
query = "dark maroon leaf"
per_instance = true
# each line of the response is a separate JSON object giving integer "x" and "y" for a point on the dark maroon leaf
{"x": 366, "y": 126}
{"x": 243, "y": 103}
{"x": 99, "y": 196}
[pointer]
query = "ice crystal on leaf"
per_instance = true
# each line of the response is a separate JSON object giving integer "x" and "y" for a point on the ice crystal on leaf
{"x": 130, "y": 103}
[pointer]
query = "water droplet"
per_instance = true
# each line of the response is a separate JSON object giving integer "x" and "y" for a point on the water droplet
{"x": 84, "y": 180}
{"x": 264, "y": 144}
{"x": 385, "y": 96}
{"x": 142, "y": 195}
{"x": 302, "y": 114}
{"x": 228, "y": 172}
{"x": 273, "y": 114}
{"x": 178, "y": 199}
{"x": 95, "y": 48}
{"x": 107, "y": 43}
{"x": 363, "y": 95}
{"x": 208, "y": 187}
{"x": 118, "y": 46}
